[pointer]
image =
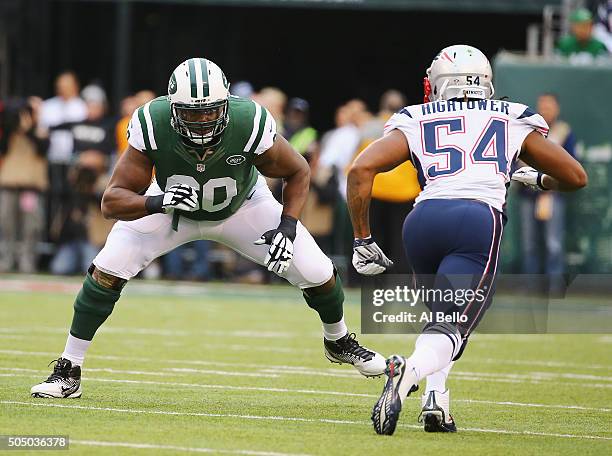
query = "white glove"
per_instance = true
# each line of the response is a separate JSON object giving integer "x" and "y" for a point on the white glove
{"x": 368, "y": 258}
{"x": 181, "y": 197}
{"x": 530, "y": 177}
{"x": 280, "y": 254}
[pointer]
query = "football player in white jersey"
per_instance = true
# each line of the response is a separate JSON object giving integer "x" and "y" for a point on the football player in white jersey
{"x": 463, "y": 144}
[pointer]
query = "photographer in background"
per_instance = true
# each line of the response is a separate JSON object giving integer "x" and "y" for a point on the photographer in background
{"x": 71, "y": 227}
{"x": 23, "y": 183}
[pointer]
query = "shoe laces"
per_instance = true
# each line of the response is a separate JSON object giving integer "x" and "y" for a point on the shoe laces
{"x": 350, "y": 345}
{"x": 60, "y": 370}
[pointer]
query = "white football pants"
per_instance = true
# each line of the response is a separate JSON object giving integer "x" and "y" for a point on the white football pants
{"x": 131, "y": 246}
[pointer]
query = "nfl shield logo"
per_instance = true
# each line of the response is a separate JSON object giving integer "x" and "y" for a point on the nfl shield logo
{"x": 200, "y": 167}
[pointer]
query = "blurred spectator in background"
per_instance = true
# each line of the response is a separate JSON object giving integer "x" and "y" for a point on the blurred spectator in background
{"x": 274, "y": 100}
{"x": 338, "y": 146}
{"x": 299, "y": 134}
{"x": 602, "y": 30}
{"x": 126, "y": 109}
{"x": 242, "y": 89}
{"x": 128, "y": 106}
{"x": 298, "y": 131}
{"x": 580, "y": 45}
{"x": 72, "y": 228}
{"x": 545, "y": 211}
{"x": 66, "y": 107}
{"x": 23, "y": 181}
{"x": 95, "y": 132}
{"x": 319, "y": 211}
{"x": 393, "y": 192}
{"x": 188, "y": 262}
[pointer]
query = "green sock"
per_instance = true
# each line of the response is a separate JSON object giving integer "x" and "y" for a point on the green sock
{"x": 328, "y": 305}
{"x": 92, "y": 306}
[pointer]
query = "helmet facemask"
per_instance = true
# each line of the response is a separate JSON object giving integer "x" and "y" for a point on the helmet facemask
{"x": 201, "y": 124}
{"x": 198, "y": 93}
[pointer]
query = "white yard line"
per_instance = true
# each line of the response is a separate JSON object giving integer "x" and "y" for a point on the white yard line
{"x": 288, "y": 419}
{"x": 179, "y": 372}
{"x": 150, "y": 446}
{"x": 540, "y": 363}
{"x": 276, "y": 371}
{"x": 41, "y": 373}
{"x": 545, "y": 406}
{"x": 202, "y": 385}
{"x": 156, "y": 332}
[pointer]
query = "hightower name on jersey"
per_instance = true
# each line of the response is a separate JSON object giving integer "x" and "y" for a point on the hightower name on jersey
{"x": 458, "y": 105}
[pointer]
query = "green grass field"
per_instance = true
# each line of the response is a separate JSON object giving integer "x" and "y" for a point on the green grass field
{"x": 230, "y": 369}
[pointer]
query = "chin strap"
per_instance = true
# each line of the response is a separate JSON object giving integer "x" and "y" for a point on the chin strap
{"x": 175, "y": 220}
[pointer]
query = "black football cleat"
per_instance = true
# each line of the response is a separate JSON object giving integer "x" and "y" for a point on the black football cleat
{"x": 435, "y": 414}
{"x": 400, "y": 383}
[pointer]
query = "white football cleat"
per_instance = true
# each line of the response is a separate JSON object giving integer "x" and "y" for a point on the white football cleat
{"x": 435, "y": 414}
{"x": 64, "y": 382}
{"x": 347, "y": 350}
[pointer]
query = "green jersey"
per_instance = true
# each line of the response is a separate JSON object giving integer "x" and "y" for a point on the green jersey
{"x": 224, "y": 174}
{"x": 569, "y": 45}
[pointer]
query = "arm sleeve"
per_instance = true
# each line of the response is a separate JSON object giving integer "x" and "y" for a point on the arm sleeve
{"x": 269, "y": 134}
{"x": 134, "y": 133}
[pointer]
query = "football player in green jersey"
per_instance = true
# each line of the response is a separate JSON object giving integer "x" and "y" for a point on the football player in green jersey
{"x": 209, "y": 151}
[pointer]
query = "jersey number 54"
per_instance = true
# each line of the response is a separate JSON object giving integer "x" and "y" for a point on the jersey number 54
{"x": 490, "y": 147}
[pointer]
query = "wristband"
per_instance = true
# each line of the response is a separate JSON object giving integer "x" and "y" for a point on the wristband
{"x": 539, "y": 182}
{"x": 358, "y": 242}
{"x": 287, "y": 226}
{"x": 154, "y": 204}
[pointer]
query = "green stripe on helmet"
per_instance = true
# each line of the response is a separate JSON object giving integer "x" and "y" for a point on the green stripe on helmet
{"x": 143, "y": 127}
{"x": 260, "y": 131}
{"x": 205, "y": 78}
{"x": 192, "y": 79}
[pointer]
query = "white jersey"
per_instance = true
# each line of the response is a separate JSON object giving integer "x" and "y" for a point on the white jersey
{"x": 465, "y": 149}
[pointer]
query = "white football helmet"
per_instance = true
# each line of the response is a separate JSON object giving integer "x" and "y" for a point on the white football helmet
{"x": 198, "y": 93}
{"x": 459, "y": 71}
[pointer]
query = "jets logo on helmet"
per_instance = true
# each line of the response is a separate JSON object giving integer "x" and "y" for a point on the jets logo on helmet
{"x": 198, "y": 93}
{"x": 459, "y": 71}
{"x": 172, "y": 85}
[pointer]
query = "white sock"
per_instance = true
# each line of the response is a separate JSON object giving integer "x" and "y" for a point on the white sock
{"x": 432, "y": 352}
{"x": 334, "y": 331}
{"x": 437, "y": 380}
{"x": 75, "y": 349}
